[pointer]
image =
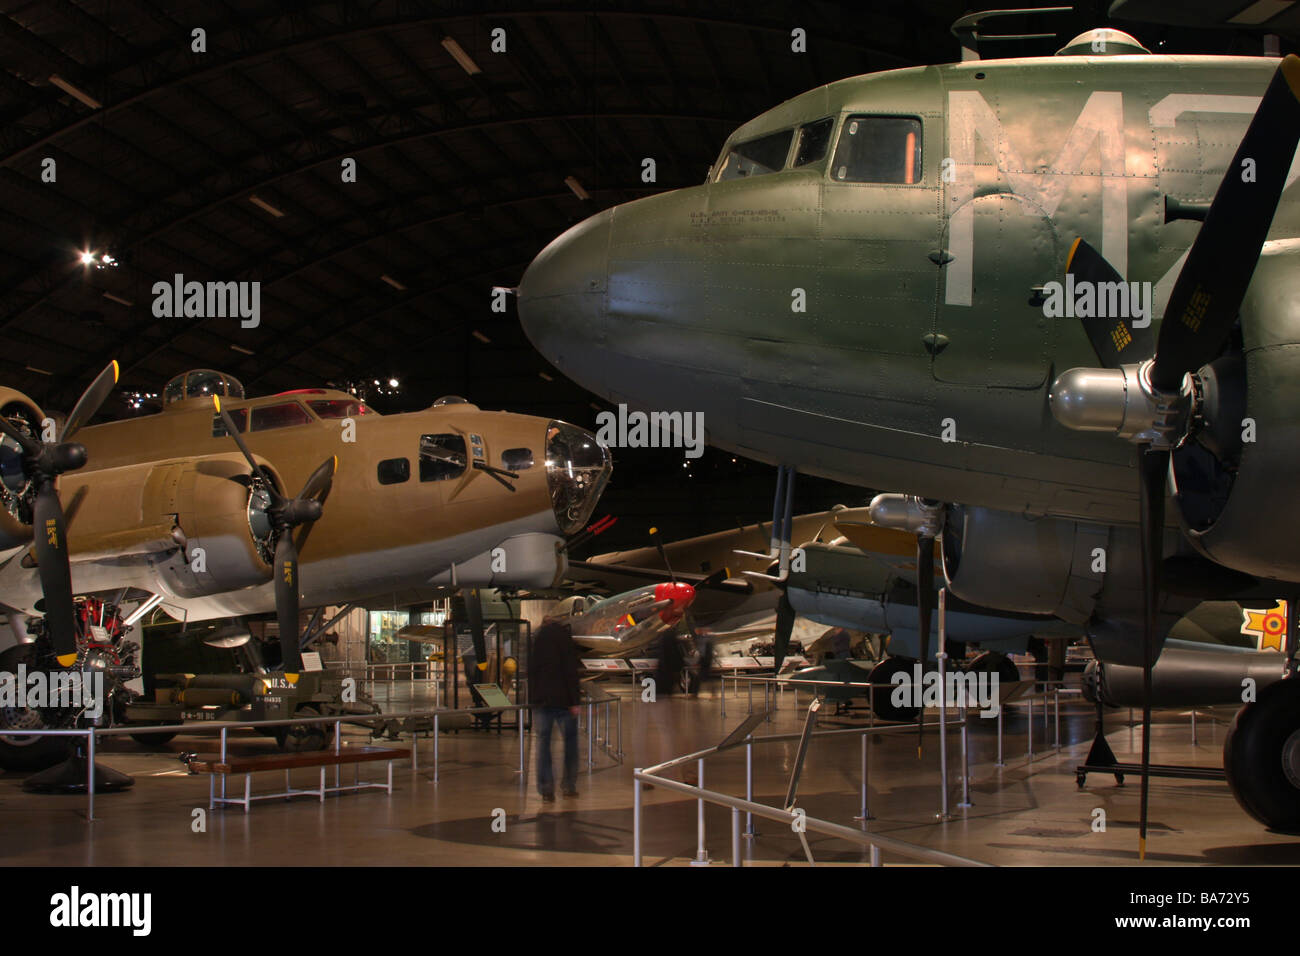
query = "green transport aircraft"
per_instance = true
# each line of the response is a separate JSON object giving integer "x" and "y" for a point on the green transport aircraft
{"x": 1053, "y": 300}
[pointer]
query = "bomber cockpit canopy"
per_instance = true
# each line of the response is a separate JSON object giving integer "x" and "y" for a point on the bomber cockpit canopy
{"x": 201, "y": 383}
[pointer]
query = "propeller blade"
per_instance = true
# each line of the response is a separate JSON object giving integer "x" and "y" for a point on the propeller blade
{"x": 1208, "y": 292}
{"x": 1153, "y": 467}
{"x": 318, "y": 484}
{"x": 663, "y": 555}
{"x": 55, "y": 574}
{"x": 474, "y": 609}
{"x": 90, "y": 400}
{"x": 924, "y": 608}
{"x": 1114, "y": 339}
{"x": 233, "y": 432}
{"x": 784, "y": 627}
{"x": 286, "y": 601}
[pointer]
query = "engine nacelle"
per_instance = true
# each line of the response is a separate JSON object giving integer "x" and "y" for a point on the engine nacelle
{"x": 15, "y": 497}
{"x": 1016, "y": 563}
{"x": 1235, "y": 478}
{"x": 205, "y": 526}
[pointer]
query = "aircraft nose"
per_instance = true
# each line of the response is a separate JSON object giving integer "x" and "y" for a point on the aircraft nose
{"x": 680, "y": 594}
{"x": 561, "y": 296}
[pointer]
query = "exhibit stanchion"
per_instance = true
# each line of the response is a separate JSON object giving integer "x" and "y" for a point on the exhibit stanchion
{"x": 1193, "y": 726}
{"x": 519, "y": 726}
{"x": 701, "y": 855}
{"x": 750, "y": 685}
{"x": 636, "y": 818}
{"x": 590, "y": 759}
{"x": 735, "y": 837}
{"x": 965, "y": 759}
{"x": 941, "y": 657}
{"x": 90, "y": 775}
{"x": 619, "y": 711}
{"x": 865, "y": 814}
{"x": 435, "y": 748}
{"x": 1029, "y": 731}
{"x": 1056, "y": 704}
{"x": 875, "y": 855}
{"x": 1000, "y": 762}
{"x": 750, "y": 832}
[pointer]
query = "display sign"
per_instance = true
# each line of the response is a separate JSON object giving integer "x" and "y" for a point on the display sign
{"x": 606, "y": 664}
{"x": 644, "y": 663}
{"x": 311, "y": 662}
{"x": 736, "y": 664}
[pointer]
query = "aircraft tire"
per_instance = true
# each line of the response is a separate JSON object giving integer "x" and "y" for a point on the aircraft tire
{"x": 997, "y": 663}
{"x": 1261, "y": 757}
{"x": 301, "y": 738}
{"x": 883, "y": 674}
{"x": 27, "y": 753}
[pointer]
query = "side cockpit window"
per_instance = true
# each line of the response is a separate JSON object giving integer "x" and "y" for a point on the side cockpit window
{"x": 878, "y": 149}
{"x": 442, "y": 457}
{"x": 813, "y": 140}
{"x": 756, "y": 157}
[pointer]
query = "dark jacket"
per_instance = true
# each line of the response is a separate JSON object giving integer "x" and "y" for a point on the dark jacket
{"x": 553, "y": 667}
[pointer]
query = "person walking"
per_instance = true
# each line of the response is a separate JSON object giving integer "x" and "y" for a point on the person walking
{"x": 553, "y": 692}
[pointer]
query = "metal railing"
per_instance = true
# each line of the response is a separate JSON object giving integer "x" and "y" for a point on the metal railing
{"x": 224, "y": 727}
{"x": 874, "y": 842}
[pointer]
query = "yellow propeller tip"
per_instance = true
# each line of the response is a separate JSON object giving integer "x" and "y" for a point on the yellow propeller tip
{"x": 67, "y": 660}
{"x": 1074, "y": 247}
{"x": 1142, "y": 848}
{"x": 654, "y": 530}
{"x": 1291, "y": 71}
{"x": 291, "y": 678}
{"x": 117, "y": 370}
{"x": 216, "y": 402}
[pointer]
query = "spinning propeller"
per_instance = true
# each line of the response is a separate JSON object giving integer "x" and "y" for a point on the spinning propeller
{"x": 42, "y": 464}
{"x": 287, "y": 514}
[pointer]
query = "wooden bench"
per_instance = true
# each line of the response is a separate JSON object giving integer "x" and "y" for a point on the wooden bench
{"x": 216, "y": 766}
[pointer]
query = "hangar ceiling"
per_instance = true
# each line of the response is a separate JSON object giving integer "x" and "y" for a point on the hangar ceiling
{"x": 226, "y": 165}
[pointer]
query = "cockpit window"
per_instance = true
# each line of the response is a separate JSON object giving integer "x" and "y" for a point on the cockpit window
{"x": 442, "y": 457}
{"x": 279, "y": 416}
{"x": 756, "y": 156}
{"x": 339, "y": 408}
{"x": 813, "y": 140}
{"x": 238, "y": 415}
{"x": 878, "y": 149}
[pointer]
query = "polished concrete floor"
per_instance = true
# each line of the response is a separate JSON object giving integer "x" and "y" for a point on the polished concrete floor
{"x": 1027, "y": 812}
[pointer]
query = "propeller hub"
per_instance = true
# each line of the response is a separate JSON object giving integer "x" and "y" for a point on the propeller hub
{"x": 67, "y": 456}
{"x": 1121, "y": 401}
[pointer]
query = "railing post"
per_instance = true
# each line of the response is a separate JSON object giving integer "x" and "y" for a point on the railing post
{"x": 735, "y": 837}
{"x": 965, "y": 759}
{"x": 1000, "y": 762}
{"x": 90, "y": 774}
{"x": 875, "y": 855}
{"x": 519, "y": 722}
{"x": 749, "y": 784}
{"x": 590, "y": 760}
{"x": 865, "y": 814}
{"x": 701, "y": 855}
{"x": 1029, "y": 743}
{"x": 435, "y": 748}
{"x": 636, "y": 818}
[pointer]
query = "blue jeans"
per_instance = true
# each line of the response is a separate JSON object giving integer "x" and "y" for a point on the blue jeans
{"x": 545, "y": 718}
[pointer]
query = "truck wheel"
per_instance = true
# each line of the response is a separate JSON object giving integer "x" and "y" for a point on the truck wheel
{"x": 300, "y": 738}
{"x": 27, "y": 753}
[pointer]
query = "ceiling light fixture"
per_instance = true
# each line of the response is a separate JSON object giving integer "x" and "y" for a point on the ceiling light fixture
{"x": 266, "y": 207}
{"x": 75, "y": 93}
{"x": 460, "y": 56}
{"x": 573, "y": 184}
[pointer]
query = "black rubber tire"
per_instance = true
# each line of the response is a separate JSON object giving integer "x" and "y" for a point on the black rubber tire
{"x": 37, "y": 753}
{"x": 301, "y": 738}
{"x": 159, "y": 739}
{"x": 998, "y": 663}
{"x": 883, "y": 674}
{"x": 1261, "y": 756}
